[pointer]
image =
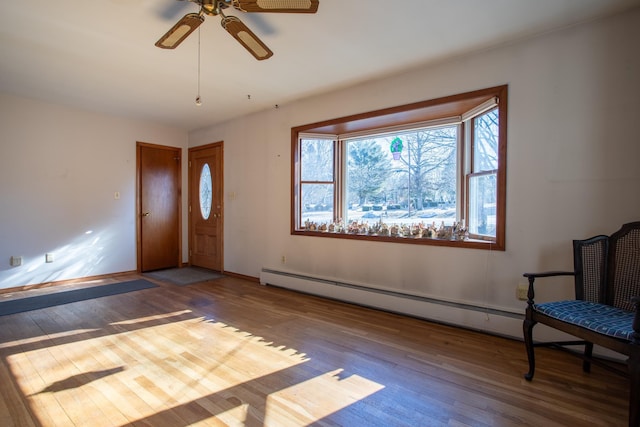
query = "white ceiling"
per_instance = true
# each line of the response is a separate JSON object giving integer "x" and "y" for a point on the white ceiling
{"x": 100, "y": 55}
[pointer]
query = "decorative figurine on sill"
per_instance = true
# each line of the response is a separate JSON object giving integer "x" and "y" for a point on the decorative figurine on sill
{"x": 433, "y": 230}
{"x": 384, "y": 229}
{"x": 463, "y": 231}
{"x": 454, "y": 231}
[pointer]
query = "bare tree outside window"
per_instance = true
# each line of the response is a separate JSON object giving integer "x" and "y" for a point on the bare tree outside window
{"x": 486, "y": 142}
{"x": 430, "y": 163}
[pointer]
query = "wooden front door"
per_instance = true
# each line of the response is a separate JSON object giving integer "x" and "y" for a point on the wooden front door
{"x": 159, "y": 170}
{"x": 205, "y": 206}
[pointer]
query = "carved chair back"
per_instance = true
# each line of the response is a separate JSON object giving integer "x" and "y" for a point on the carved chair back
{"x": 624, "y": 266}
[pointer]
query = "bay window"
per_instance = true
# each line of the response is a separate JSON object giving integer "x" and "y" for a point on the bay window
{"x": 432, "y": 173}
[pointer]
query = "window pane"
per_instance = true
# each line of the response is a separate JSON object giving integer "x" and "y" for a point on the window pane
{"x": 369, "y": 167}
{"x": 434, "y": 170}
{"x": 485, "y": 155}
{"x": 482, "y": 204}
{"x": 317, "y": 203}
{"x": 417, "y": 185}
{"x": 317, "y": 160}
{"x": 205, "y": 191}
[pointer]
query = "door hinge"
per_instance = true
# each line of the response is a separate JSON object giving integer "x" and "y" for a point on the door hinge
{"x": 189, "y": 163}
{"x": 189, "y": 208}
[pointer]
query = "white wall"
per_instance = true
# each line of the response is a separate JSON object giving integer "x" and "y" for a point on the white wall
{"x": 59, "y": 171}
{"x": 572, "y": 167}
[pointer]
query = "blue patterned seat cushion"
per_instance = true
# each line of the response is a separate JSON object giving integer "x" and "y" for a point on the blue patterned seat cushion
{"x": 600, "y": 318}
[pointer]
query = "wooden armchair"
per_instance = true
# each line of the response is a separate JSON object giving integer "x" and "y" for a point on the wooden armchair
{"x": 606, "y": 310}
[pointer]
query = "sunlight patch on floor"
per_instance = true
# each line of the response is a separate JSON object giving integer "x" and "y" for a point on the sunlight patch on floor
{"x": 138, "y": 370}
{"x": 309, "y": 401}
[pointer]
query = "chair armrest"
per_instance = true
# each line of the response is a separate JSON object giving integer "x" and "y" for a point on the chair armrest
{"x": 533, "y": 276}
{"x": 549, "y": 274}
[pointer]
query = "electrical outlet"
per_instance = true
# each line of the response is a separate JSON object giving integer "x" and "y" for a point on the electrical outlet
{"x": 283, "y": 259}
{"x": 16, "y": 261}
{"x": 48, "y": 257}
{"x": 521, "y": 291}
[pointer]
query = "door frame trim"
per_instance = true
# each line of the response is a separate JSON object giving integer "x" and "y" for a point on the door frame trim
{"x": 190, "y": 151}
{"x": 139, "y": 145}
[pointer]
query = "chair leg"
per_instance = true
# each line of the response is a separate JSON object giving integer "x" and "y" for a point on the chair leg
{"x": 527, "y": 329}
{"x": 633, "y": 364}
{"x": 588, "y": 352}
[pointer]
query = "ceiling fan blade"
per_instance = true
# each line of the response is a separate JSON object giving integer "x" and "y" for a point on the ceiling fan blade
{"x": 279, "y": 6}
{"x": 246, "y": 38}
{"x": 180, "y": 31}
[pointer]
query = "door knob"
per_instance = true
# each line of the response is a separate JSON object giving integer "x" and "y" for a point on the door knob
{"x": 146, "y": 214}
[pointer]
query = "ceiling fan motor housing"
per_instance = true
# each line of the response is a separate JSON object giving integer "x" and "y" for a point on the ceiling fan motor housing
{"x": 210, "y": 6}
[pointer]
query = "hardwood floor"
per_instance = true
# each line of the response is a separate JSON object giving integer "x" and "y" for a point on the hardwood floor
{"x": 233, "y": 352}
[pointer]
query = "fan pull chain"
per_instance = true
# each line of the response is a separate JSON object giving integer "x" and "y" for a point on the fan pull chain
{"x": 198, "y": 99}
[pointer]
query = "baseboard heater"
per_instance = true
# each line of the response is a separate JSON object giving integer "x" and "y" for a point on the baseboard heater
{"x": 485, "y": 319}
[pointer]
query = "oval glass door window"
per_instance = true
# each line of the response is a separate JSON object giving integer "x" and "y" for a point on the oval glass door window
{"x": 205, "y": 191}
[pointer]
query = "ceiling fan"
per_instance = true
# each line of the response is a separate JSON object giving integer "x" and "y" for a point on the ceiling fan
{"x": 233, "y": 25}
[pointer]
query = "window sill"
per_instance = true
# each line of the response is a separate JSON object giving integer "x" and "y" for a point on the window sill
{"x": 426, "y": 241}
